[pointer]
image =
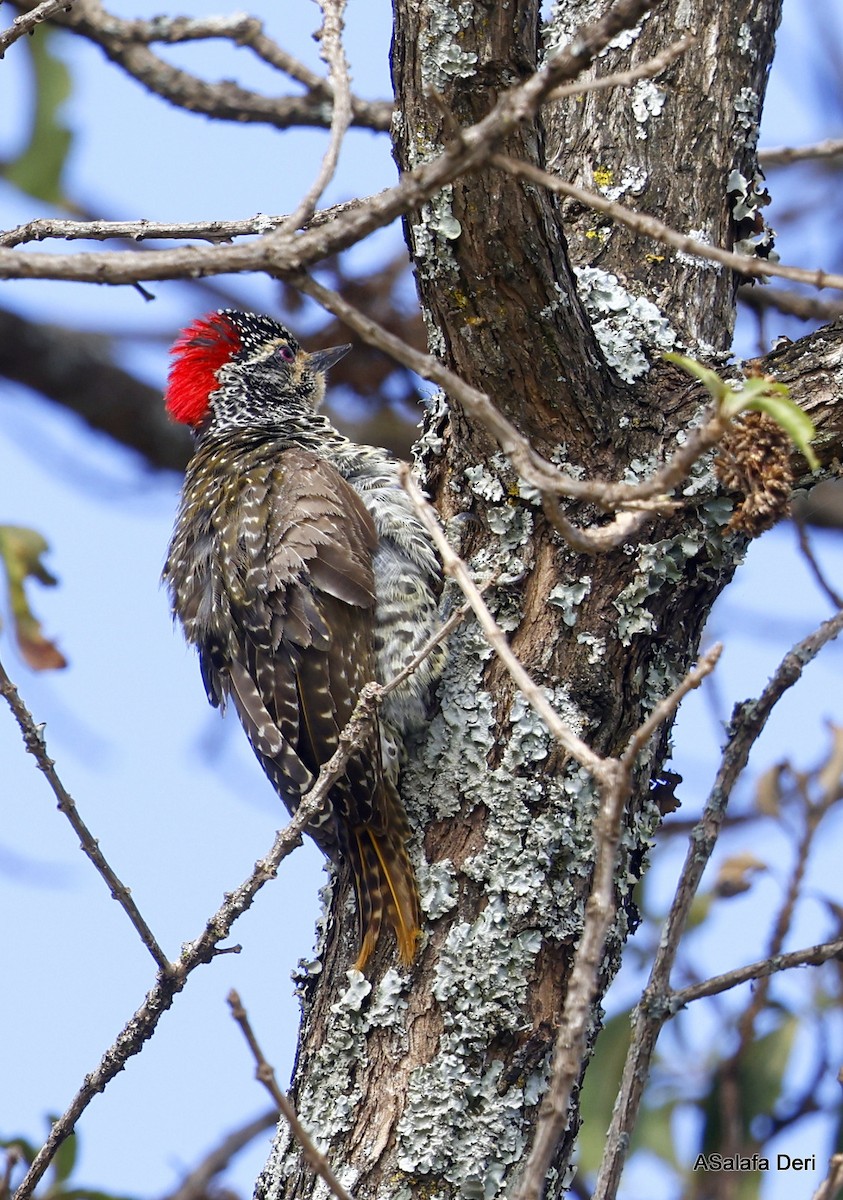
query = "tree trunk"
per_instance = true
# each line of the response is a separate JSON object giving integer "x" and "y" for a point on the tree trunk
{"x": 429, "y": 1082}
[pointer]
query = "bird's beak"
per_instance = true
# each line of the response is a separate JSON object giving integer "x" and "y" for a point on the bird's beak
{"x": 323, "y": 360}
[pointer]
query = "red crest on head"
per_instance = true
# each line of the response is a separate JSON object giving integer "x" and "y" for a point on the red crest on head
{"x": 197, "y": 354}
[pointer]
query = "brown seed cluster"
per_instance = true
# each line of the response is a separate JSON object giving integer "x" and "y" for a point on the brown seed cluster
{"x": 754, "y": 460}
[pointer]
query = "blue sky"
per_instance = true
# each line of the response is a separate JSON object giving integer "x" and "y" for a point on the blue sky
{"x": 177, "y": 800}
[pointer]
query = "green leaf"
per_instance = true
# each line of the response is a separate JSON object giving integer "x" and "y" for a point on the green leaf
{"x": 20, "y": 559}
{"x": 760, "y": 1084}
{"x": 600, "y": 1088}
{"x": 654, "y": 1132}
{"x": 38, "y": 169}
{"x": 710, "y": 380}
{"x": 64, "y": 1162}
{"x": 763, "y": 395}
{"x": 28, "y": 1149}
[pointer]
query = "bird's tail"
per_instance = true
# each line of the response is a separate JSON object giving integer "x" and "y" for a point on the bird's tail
{"x": 384, "y": 883}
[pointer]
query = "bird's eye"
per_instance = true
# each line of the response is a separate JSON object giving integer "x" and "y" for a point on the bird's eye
{"x": 286, "y": 353}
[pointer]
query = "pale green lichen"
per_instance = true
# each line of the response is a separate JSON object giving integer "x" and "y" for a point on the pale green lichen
{"x": 624, "y": 325}
{"x": 647, "y": 101}
{"x": 664, "y": 563}
{"x": 633, "y": 181}
{"x": 693, "y": 260}
{"x": 483, "y": 483}
{"x": 441, "y": 56}
{"x": 433, "y": 233}
{"x": 567, "y": 597}
{"x": 657, "y": 564}
{"x": 438, "y": 890}
{"x": 747, "y": 108}
{"x": 329, "y": 1095}
{"x": 460, "y": 1125}
{"x": 530, "y": 740}
{"x": 509, "y": 519}
{"x": 744, "y": 39}
{"x": 388, "y": 1003}
{"x": 747, "y": 197}
{"x": 596, "y": 647}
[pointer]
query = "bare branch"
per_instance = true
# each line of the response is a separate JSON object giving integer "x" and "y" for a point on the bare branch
{"x": 457, "y": 569}
{"x": 805, "y": 547}
{"x": 281, "y": 254}
{"x": 647, "y": 226}
{"x": 242, "y": 29}
{"x": 140, "y": 231}
{"x": 811, "y": 956}
{"x": 27, "y": 21}
{"x": 646, "y": 70}
{"x": 195, "y": 1185}
{"x": 142, "y": 1025}
{"x": 266, "y": 1075}
{"x": 748, "y": 720}
{"x": 807, "y": 308}
{"x": 780, "y": 156}
{"x": 333, "y": 54}
{"x": 126, "y": 43}
{"x": 33, "y": 740}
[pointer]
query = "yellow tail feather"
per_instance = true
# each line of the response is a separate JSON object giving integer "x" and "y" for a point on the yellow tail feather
{"x": 384, "y": 882}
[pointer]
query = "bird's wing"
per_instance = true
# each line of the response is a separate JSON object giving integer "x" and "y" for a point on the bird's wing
{"x": 295, "y": 565}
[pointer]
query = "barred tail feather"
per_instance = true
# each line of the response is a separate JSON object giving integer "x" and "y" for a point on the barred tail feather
{"x": 384, "y": 882}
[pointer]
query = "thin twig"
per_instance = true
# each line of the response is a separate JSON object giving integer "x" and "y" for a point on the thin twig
{"x": 141, "y": 1026}
{"x": 830, "y": 1187}
{"x": 646, "y": 70}
{"x": 139, "y": 231}
{"x": 654, "y": 1009}
{"x": 195, "y": 1185}
{"x": 333, "y": 53}
{"x": 806, "y": 308}
{"x": 808, "y": 554}
{"x": 266, "y": 1075}
{"x": 27, "y": 21}
{"x": 457, "y": 569}
{"x": 241, "y": 29}
{"x": 811, "y": 956}
{"x": 615, "y": 780}
{"x": 33, "y": 740}
{"x": 127, "y": 44}
{"x": 780, "y": 156}
{"x": 647, "y": 226}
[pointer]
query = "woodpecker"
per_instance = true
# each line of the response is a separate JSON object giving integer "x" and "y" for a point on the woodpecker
{"x": 300, "y": 572}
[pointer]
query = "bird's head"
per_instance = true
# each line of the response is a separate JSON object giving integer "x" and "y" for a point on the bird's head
{"x": 233, "y": 369}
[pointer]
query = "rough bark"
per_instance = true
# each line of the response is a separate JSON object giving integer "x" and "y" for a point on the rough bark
{"x": 430, "y": 1084}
